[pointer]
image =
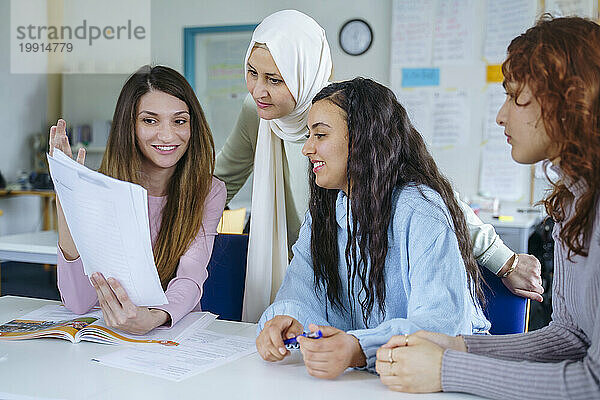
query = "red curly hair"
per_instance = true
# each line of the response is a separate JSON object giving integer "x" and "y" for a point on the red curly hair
{"x": 560, "y": 61}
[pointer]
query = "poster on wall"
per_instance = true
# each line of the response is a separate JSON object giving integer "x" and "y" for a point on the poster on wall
{"x": 412, "y": 33}
{"x": 418, "y": 103}
{"x": 451, "y": 116}
{"x": 563, "y": 8}
{"x": 441, "y": 116}
{"x": 494, "y": 98}
{"x": 500, "y": 176}
{"x": 504, "y": 21}
{"x": 453, "y": 32}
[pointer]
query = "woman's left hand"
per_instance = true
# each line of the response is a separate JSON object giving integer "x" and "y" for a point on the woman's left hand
{"x": 410, "y": 364}
{"x": 118, "y": 310}
{"x": 329, "y": 356}
{"x": 526, "y": 279}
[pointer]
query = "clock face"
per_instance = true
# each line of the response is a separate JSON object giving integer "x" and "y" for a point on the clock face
{"x": 355, "y": 37}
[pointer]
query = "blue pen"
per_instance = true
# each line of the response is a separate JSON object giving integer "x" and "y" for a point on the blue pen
{"x": 292, "y": 344}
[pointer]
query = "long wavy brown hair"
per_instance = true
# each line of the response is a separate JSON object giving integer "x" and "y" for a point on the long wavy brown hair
{"x": 191, "y": 181}
{"x": 560, "y": 61}
{"x": 385, "y": 153}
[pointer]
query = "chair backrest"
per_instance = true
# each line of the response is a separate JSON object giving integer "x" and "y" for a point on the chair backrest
{"x": 223, "y": 291}
{"x": 232, "y": 221}
{"x": 507, "y": 312}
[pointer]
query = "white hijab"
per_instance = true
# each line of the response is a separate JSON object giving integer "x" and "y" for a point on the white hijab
{"x": 301, "y": 52}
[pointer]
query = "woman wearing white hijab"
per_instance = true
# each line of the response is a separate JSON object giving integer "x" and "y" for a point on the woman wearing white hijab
{"x": 287, "y": 63}
{"x": 288, "y": 49}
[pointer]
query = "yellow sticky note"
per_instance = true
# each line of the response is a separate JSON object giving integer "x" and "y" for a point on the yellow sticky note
{"x": 494, "y": 73}
{"x": 506, "y": 218}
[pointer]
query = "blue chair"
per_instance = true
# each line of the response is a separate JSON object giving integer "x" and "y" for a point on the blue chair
{"x": 223, "y": 291}
{"x": 507, "y": 313}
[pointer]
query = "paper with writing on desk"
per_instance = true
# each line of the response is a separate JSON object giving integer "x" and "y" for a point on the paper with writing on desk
{"x": 108, "y": 220}
{"x": 197, "y": 352}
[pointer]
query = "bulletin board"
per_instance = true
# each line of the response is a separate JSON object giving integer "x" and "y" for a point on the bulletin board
{"x": 214, "y": 67}
{"x": 445, "y": 59}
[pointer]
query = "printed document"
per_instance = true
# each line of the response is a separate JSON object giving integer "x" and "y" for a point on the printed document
{"x": 108, "y": 220}
{"x": 197, "y": 352}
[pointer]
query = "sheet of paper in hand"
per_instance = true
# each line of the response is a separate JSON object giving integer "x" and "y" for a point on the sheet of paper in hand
{"x": 108, "y": 220}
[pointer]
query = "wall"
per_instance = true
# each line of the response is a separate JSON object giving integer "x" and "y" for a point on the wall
{"x": 22, "y": 113}
{"x": 88, "y": 97}
{"x": 168, "y": 19}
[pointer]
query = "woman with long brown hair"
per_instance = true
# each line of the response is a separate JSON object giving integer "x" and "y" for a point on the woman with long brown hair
{"x": 552, "y": 113}
{"x": 159, "y": 139}
{"x": 385, "y": 248}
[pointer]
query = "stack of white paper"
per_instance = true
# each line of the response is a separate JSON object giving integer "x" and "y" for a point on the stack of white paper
{"x": 199, "y": 350}
{"x": 108, "y": 220}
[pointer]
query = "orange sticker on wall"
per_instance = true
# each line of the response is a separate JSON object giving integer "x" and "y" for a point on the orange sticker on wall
{"x": 494, "y": 73}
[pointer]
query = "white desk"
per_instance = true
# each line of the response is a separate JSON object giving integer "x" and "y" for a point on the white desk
{"x": 36, "y": 247}
{"x": 515, "y": 234}
{"x": 57, "y": 369}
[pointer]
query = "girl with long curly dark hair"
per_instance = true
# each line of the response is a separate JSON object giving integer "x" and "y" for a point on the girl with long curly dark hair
{"x": 384, "y": 249}
{"x": 552, "y": 113}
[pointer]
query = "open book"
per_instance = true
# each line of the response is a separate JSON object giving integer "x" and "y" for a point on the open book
{"x": 55, "y": 321}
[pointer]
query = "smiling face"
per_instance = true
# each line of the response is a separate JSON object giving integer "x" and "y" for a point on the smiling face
{"x": 327, "y": 145}
{"x": 265, "y": 84}
{"x": 523, "y": 126}
{"x": 162, "y": 130}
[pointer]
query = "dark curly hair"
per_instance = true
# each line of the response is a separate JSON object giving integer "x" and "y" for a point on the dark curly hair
{"x": 385, "y": 152}
{"x": 559, "y": 59}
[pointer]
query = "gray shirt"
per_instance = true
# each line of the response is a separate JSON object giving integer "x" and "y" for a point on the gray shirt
{"x": 559, "y": 361}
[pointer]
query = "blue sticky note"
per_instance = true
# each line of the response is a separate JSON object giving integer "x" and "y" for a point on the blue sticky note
{"x": 413, "y": 77}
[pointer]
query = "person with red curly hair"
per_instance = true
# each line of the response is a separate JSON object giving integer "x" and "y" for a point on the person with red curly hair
{"x": 552, "y": 113}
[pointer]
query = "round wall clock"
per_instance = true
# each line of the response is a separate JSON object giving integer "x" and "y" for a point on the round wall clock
{"x": 355, "y": 37}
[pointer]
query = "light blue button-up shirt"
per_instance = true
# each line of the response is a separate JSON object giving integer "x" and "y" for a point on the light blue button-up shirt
{"x": 425, "y": 278}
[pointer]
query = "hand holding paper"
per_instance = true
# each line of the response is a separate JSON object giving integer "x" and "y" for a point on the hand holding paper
{"x": 118, "y": 310}
{"x": 108, "y": 221}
